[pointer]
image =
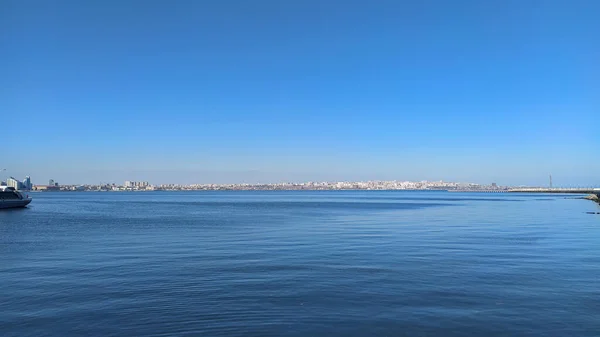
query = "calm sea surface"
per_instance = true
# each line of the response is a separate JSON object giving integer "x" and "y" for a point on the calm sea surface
{"x": 300, "y": 264}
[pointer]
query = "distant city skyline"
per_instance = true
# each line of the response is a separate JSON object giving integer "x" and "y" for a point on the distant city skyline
{"x": 225, "y": 92}
{"x": 129, "y": 182}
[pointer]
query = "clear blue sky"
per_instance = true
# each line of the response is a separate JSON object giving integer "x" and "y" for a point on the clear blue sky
{"x": 247, "y": 91}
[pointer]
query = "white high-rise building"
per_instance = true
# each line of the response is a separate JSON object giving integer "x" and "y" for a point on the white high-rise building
{"x": 14, "y": 183}
{"x": 139, "y": 184}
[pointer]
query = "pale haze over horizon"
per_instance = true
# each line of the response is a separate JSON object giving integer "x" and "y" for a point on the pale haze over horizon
{"x": 272, "y": 91}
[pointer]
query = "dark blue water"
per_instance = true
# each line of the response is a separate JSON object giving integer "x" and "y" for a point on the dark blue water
{"x": 300, "y": 264}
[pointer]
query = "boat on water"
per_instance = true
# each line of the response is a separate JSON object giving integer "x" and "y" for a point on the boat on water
{"x": 11, "y": 198}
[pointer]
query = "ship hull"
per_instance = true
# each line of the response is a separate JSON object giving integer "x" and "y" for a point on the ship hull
{"x": 4, "y": 204}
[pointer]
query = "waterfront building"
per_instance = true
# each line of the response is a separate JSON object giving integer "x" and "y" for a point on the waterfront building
{"x": 14, "y": 183}
{"x": 27, "y": 183}
{"x": 136, "y": 184}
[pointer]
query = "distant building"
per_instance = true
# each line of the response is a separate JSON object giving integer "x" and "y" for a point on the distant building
{"x": 27, "y": 183}
{"x": 51, "y": 182}
{"x": 14, "y": 183}
{"x": 494, "y": 185}
{"x": 136, "y": 184}
{"x": 45, "y": 188}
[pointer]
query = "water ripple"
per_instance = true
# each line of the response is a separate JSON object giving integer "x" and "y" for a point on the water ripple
{"x": 300, "y": 264}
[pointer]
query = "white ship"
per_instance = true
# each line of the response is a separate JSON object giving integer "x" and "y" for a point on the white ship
{"x": 11, "y": 198}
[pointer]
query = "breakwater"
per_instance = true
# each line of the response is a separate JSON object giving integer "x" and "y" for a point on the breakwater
{"x": 593, "y": 197}
{"x": 577, "y": 190}
{"x": 593, "y": 193}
